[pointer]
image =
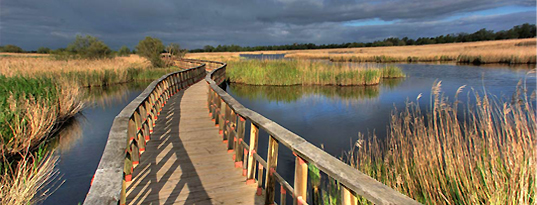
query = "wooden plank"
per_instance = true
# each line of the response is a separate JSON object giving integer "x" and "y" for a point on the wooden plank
{"x": 185, "y": 161}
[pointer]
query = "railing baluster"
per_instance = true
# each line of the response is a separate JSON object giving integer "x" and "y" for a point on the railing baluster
{"x": 301, "y": 178}
{"x": 272, "y": 162}
{"x": 222, "y": 119}
{"x": 347, "y": 197}
{"x": 254, "y": 132}
{"x": 259, "y": 179}
{"x": 238, "y": 145}
{"x": 283, "y": 196}
{"x": 230, "y": 127}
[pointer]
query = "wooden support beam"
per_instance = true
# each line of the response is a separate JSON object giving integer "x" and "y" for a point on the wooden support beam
{"x": 272, "y": 163}
{"x": 301, "y": 178}
{"x": 254, "y": 133}
{"x": 347, "y": 197}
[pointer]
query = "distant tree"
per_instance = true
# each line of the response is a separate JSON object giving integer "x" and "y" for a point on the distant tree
{"x": 151, "y": 48}
{"x": 124, "y": 51}
{"x": 12, "y": 49}
{"x": 208, "y": 48}
{"x": 43, "y": 50}
{"x": 89, "y": 47}
{"x": 173, "y": 52}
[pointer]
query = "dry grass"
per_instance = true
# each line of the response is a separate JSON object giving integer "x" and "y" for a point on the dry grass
{"x": 38, "y": 66}
{"x": 483, "y": 155}
{"x": 216, "y": 56}
{"x": 34, "y": 119}
{"x": 5, "y": 54}
{"x": 501, "y": 51}
{"x": 22, "y": 183}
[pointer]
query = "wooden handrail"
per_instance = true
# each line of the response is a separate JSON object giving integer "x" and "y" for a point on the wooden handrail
{"x": 225, "y": 110}
{"x": 129, "y": 133}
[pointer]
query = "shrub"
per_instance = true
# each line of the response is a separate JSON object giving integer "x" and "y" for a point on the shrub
{"x": 89, "y": 47}
{"x": 43, "y": 50}
{"x": 124, "y": 51}
{"x": 12, "y": 49}
{"x": 151, "y": 48}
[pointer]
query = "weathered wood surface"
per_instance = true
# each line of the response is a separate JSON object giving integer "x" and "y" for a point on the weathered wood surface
{"x": 186, "y": 162}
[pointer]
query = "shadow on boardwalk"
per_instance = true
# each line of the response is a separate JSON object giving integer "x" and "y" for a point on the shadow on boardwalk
{"x": 185, "y": 161}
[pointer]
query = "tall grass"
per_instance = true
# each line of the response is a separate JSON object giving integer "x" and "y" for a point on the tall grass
{"x": 300, "y": 72}
{"x": 25, "y": 181}
{"x": 37, "y": 96}
{"x": 482, "y": 154}
{"x": 31, "y": 108}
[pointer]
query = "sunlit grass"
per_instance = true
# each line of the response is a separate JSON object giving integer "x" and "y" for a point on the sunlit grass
{"x": 482, "y": 154}
{"x": 38, "y": 95}
{"x": 303, "y": 72}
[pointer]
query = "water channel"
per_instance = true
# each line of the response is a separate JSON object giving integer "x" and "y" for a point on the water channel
{"x": 81, "y": 142}
{"x": 327, "y": 116}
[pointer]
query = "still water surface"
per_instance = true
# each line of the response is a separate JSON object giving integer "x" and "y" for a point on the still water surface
{"x": 332, "y": 117}
{"x": 327, "y": 116}
{"x": 81, "y": 143}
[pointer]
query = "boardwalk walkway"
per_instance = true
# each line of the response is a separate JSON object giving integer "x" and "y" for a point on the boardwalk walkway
{"x": 186, "y": 161}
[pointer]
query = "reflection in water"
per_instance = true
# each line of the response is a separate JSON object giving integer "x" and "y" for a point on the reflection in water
{"x": 293, "y": 93}
{"x": 391, "y": 83}
{"x": 322, "y": 120}
{"x": 107, "y": 96}
{"x": 81, "y": 142}
{"x": 70, "y": 133}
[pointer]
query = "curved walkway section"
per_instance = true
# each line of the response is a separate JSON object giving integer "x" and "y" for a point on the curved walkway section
{"x": 186, "y": 162}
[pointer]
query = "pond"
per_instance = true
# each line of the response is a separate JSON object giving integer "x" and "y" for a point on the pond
{"x": 81, "y": 142}
{"x": 331, "y": 117}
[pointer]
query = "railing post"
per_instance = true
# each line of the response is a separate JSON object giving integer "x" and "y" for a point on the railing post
{"x": 347, "y": 198}
{"x": 283, "y": 195}
{"x": 123, "y": 195}
{"x": 301, "y": 178}
{"x": 272, "y": 162}
{"x": 229, "y": 128}
{"x": 238, "y": 145}
{"x": 222, "y": 119}
{"x": 254, "y": 132}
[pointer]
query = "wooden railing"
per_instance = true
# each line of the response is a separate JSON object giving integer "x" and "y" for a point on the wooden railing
{"x": 131, "y": 131}
{"x": 231, "y": 117}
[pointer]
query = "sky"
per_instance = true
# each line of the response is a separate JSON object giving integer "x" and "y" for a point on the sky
{"x": 31, "y": 24}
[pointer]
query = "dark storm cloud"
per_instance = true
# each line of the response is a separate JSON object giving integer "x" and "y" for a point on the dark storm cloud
{"x": 54, "y": 23}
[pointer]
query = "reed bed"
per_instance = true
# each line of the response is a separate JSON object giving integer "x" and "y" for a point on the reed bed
{"x": 37, "y": 96}
{"x": 515, "y": 51}
{"x": 24, "y": 182}
{"x": 518, "y": 51}
{"x": 484, "y": 153}
{"x": 31, "y": 108}
{"x": 303, "y": 72}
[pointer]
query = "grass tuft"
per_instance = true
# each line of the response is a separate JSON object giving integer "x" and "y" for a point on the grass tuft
{"x": 483, "y": 154}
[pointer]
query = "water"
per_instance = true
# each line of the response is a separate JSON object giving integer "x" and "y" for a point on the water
{"x": 263, "y": 56}
{"x": 332, "y": 117}
{"x": 327, "y": 116}
{"x": 80, "y": 144}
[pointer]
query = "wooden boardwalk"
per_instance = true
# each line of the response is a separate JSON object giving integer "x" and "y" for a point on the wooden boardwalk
{"x": 185, "y": 161}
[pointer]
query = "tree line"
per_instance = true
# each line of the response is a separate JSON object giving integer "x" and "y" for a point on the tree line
{"x": 520, "y": 31}
{"x": 90, "y": 47}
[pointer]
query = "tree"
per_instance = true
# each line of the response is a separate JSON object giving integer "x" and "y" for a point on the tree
{"x": 89, "y": 47}
{"x": 208, "y": 48}
{"x": 12, "y": 49}
{"x": 173, "y": 51}
{"x": 43, "y": 50}
{"x": 151, "y": 48}
{"x": 124, "y": 51}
